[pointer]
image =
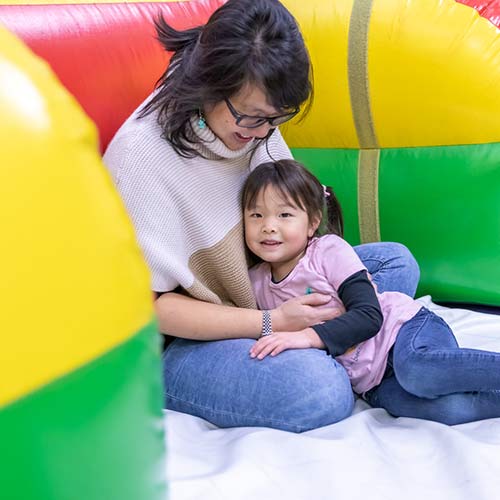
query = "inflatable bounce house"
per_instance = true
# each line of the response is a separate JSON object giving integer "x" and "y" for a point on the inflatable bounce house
{"x": 405, "y": 126}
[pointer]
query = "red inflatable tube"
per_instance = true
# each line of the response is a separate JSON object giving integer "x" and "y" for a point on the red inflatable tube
{"x": 106, "y": 55}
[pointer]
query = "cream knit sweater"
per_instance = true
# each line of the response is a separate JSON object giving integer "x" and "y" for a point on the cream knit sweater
{"x": 186, "y": 211}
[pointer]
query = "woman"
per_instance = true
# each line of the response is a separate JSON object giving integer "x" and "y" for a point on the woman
{"x": 179, "y": 163}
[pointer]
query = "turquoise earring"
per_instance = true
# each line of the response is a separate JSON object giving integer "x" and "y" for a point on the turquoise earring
{"x": 201, "y": 120}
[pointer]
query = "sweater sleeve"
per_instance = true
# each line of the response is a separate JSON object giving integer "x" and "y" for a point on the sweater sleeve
{"x": 138, "y": 178}
{"x": 361, "y": 321}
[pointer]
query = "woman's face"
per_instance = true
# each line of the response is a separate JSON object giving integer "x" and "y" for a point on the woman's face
{"x": 252, "y": 101}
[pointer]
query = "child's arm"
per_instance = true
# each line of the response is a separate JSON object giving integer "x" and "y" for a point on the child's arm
{"x": 281, "y": 341}
{"x": 362, "y": 320}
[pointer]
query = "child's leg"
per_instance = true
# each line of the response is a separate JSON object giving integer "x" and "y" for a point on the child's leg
{"x": 452, "y": 409}
{"x": 429, "y": 363}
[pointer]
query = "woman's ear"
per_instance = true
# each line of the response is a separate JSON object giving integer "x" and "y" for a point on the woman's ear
{"x": 313, "y": 226}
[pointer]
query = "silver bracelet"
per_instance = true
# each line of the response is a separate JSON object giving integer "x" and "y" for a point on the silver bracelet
{"x": 267, "y": 327}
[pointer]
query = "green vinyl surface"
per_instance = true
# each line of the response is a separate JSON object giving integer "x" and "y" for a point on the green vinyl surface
{"x": 337, "y": 168}
{"x": 95, "y": 434}
{"x": 441, "y": 202}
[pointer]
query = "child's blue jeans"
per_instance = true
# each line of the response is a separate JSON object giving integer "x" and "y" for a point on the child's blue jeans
{"x": 429, "y": 376}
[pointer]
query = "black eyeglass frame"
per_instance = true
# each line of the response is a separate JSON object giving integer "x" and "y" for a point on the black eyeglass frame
{"x": 273, "y": 121}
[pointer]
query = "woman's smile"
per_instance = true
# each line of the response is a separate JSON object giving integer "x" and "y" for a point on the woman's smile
{"x": 243, "y": 138}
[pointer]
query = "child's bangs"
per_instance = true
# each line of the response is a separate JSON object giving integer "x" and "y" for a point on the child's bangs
{"x": 288, "y": 196}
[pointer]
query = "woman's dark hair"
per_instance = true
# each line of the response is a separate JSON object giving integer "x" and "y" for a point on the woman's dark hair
{"x": 301, "y": 188}
{"x": 244, "y": 42}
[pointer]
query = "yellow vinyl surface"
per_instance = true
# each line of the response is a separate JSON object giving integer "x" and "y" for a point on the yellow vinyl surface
{"x": 74, "y": 284}
{"x": 325, "y": 27}
{"x": 432, "y": 74}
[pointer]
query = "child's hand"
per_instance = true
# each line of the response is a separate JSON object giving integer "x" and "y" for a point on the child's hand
{"x": 281, "y": 341}
{"x": 302, "y": 312}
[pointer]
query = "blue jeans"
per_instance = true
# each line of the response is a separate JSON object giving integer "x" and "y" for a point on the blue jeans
{"x": 296, "y": 391}
{"x": 429, "y": 376}
{"x": 392, "y": 266}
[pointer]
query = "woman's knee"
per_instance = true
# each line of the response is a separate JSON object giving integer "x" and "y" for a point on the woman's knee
{"x": 325, "y": 398}
{"x": 409, "y": 267}
{"x": 295, "y": 391}
{"x": 392, "y": 266}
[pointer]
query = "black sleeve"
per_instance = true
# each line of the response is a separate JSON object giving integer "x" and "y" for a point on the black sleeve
{"x": 361, "y": 321}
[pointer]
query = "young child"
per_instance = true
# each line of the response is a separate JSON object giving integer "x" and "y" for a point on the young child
{"x": 399, "y": 355}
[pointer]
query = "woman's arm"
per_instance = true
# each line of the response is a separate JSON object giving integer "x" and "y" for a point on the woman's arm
{"x": 185, "y": 317}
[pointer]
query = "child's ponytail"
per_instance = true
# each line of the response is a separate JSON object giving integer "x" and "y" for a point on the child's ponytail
{"x": 334, "y": 218}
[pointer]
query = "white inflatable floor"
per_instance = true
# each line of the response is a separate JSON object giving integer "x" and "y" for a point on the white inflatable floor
{"x": 370, "y": 455}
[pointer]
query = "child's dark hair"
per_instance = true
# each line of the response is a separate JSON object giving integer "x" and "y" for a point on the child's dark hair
{"x": 299, "y": 186}
{"x": 244, "y": 42}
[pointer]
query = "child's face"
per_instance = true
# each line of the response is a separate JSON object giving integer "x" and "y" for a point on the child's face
{"x": 277, "y": 231}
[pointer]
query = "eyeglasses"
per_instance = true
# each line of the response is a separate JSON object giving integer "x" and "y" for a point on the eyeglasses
{"x": 247, "y": 121}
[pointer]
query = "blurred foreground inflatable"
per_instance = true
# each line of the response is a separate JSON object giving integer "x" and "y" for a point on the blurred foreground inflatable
{"x": 80, "y": 398}
{"x": 404, "y": 126}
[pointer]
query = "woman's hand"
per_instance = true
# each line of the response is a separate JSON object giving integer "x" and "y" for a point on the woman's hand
{"x": 281, "y": 341}
{"x": 301, "y": 312}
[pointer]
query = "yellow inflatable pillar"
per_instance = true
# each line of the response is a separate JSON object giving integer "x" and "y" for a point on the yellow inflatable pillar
{"x": 80, "y": 391}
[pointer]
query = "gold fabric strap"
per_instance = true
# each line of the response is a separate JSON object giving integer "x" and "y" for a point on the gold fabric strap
{"x": 357, "y": 60}
{"x": 369, "y": 154}
{"x": 368, "y": 213}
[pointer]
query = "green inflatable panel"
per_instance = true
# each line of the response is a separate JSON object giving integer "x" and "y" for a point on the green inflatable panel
{"x": 94, "y": 434}
{"x": 442, "y": 202}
